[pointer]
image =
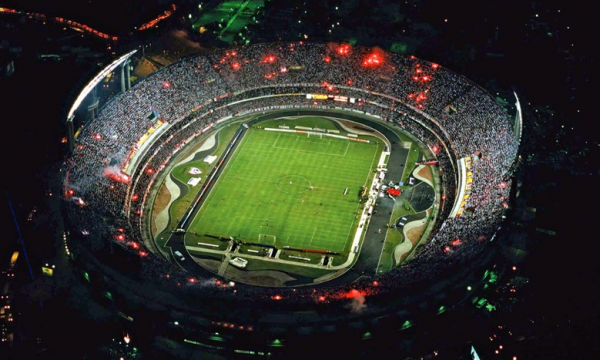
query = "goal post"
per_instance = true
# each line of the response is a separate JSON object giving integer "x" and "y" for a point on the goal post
{"x": 267, "y": 239}
{"x": 320, "y": 136}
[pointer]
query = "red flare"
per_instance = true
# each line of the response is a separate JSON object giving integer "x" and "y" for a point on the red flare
{"x": 269, "y": 59}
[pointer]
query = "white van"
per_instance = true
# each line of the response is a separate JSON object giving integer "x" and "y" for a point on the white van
{"x": 179, "y": 255}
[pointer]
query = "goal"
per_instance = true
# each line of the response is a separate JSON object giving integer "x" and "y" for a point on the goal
{"x": 320, "y": 136}
{"x": 267, "y": 239}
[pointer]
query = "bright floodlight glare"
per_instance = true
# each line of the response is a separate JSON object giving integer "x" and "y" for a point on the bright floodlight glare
{"x": 88, "y": 88}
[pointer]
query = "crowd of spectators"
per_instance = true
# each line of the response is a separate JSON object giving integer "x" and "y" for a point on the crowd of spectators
{"x": 452, "y": 116}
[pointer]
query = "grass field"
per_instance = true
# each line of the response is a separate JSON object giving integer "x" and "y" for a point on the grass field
{"x": 180, "y": 173}
{"x": 286, "y": 189}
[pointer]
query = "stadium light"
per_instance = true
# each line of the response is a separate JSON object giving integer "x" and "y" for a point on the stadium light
{"x": 96, "y": 80}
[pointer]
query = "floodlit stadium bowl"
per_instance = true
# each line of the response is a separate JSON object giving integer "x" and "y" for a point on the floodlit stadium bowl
{"x": 123, "y": 159}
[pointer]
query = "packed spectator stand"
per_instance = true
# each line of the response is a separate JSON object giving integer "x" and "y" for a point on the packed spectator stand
{"x": 196, "y": 92}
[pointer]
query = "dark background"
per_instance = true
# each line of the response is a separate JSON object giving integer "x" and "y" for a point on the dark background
{"x": 501, "y": 45}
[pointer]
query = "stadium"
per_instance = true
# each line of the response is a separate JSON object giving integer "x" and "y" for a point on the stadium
{"x": 256, "y": 196}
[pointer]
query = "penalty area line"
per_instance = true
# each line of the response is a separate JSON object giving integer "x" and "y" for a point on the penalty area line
{"x": 312, "y": 237}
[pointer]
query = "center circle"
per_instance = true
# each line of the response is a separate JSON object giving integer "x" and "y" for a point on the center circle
{"x": 293, "y": 184}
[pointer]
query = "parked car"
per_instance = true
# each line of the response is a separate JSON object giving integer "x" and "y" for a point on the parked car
{"x": 403, "y": 220}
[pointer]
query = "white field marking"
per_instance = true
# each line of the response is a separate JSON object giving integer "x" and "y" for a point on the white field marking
{"x": 254, "y": 179}
{"x": 250, "y": 234}
{"x": 358, "y": 206}
{"x": 276, "y": 140}
{"x": 313, "y": 152}
{"x": 374, "y": 157}
{"x": 274, "y": 182}
{"x": 310, "y": 152}
{"x": 310, "y": 141}
{"x": 234, "y": 159}
{"x": 233, "y": 221}
{"x": 284, "y": 148}
{"x": 216, "y": 186}
{"x": 348, "y": 143}
{"x": 300, "y": 239}
{"x": 274, "y": 238}
{"x": 346, "y": 151}
{"x": 230, "y": 223}
{"x": 313, "y": 236}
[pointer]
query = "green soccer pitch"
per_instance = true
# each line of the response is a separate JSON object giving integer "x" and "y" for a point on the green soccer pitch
{"x": 287, "y": 189}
